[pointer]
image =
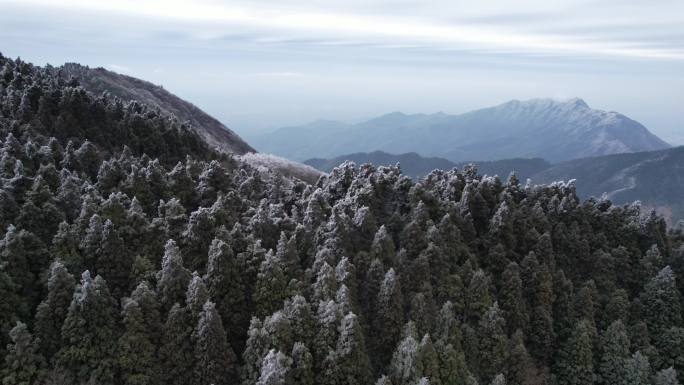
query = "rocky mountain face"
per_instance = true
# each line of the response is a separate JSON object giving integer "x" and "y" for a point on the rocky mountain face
{"x": 544, "y": 128}
{"x": 98, "y": 80}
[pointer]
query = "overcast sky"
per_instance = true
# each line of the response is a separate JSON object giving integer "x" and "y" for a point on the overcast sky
{"x": 267, "y": 63}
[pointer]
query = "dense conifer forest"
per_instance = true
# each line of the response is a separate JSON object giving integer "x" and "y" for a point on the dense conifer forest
{"x": 132, "y": 253}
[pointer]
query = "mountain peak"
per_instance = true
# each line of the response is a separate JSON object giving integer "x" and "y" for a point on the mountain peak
{"x": 577, "y": 103}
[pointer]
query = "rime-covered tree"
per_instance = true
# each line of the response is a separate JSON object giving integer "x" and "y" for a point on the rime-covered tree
{"x": 614, "y": 354}
{"x": 215, "y": 359}
{"x": 388, "y": 320}
{"x": 575, "y": 363}
{"x": 24, "y": 365}
{"x": 176, "y": 352}
{"x": 173, "y": 278}
{"x": 137, "y": 361}
{"x": 90, "y": 333}
{"x": 275, "y": 369}
{"x": 53, "y": 310}
{"x": 271, "y": 286}
{"x": 348, "y": 363}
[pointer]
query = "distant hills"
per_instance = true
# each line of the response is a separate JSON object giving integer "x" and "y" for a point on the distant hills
{"x": 538, "y": 128}
{"x": 98, "y": 80}
{"x": 656, "y": 178}
{"x": 417, "y": 166}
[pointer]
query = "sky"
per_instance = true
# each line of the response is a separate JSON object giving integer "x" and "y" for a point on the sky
{"x": 257, "y": 65}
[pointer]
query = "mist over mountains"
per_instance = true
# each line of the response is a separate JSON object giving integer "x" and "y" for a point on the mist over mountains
{"x": 543, "y": 128}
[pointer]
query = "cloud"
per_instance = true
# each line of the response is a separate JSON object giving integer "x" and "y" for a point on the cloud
{"x": 280, "y": 74}
{"x": 568, "y": 29}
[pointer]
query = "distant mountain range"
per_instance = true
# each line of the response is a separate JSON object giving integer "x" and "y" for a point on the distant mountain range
{"x": 98, "y": 80}
{"x": 656, "y": 178}
{"x": 417, "y": 166}
{"x": 538, "y": 128}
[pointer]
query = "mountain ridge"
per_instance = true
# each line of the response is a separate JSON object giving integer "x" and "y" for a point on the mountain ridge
{"x": 417, "y": 166}
{"x": 545, "y": 128}
{"x": 98, "y": 80}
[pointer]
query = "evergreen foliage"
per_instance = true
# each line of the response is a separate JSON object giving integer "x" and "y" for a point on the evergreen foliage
{"x": 207, "y": 270}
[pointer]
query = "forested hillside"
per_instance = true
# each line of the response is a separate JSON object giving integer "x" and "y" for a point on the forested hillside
{"x": 127, "y": 88}
{"x": 131, "y": 253}
{"x": 417, "y": 166}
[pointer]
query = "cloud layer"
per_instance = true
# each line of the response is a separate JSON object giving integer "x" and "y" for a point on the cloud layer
{"x": 259, "y": 63}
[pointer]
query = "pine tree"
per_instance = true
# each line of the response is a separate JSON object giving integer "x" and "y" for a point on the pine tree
{"x": 9, "y": 302}
{"x": 428, "y": 361}
{"x": 302, "y": 365}
{"x": 452, "y": 365}
{"x": 150, "y": 309}
{"x": 575, "y": 364}
{"x": 671, "y": 350}
{"x": 511, "y": 299}
{"x": 173, "y": 278}
{"x": 478, "y": 297}
{"x": 195, "y": 297}
{"x": 298, "y": 311}
{"x": 113, "y": 261}
{"x": 24, "y": 365}
{"x": 388, "y": 320}
{"x": 275, "y": 369}
{"x": 225, "y": 284}
{"x": 638, "y": 370}
{"x": 404, "y": 364}
{"x": 177, "y": 351}
{"x": 216, "y": 361}
{"x": 137, "y": 362}
{"x": 24, "y": 258}
{"x": 271, "y": 285}
{"x": 348, "y": 362}
{"x": 614, "y": 354}
{"x": 493, "y": 343}
{"x": 89, "y": 333}
{"x": 256, "y": 348}
{"x": 666, "y": 377}
{"x": 52, "y": 312}
{"x": 520, "y": 366}
{"x": 662, "y": 303}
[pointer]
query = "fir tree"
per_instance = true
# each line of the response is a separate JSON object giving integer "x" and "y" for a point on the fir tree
{"x": 89, "y": 333}
{"x": 615, "y": 354}
{"x": 575, "y": 364}
{"x": 137, "y": 361}
{"x": 275, "y": 369}
{"x": 173, "y": 278}
{"x": 216, "y": 362}
{"x": 271, "y": 285}
{"x": 52, "y": 312}
{"x": 493, "y": 343}
{"x": 662, "y": 302}
{"x": 24, "y": 365}
{"x": 177, "y": 351}
{"x": 388, "y": 320}
{"x": 348, "y": 363}
{"x": 302, "y": 365}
